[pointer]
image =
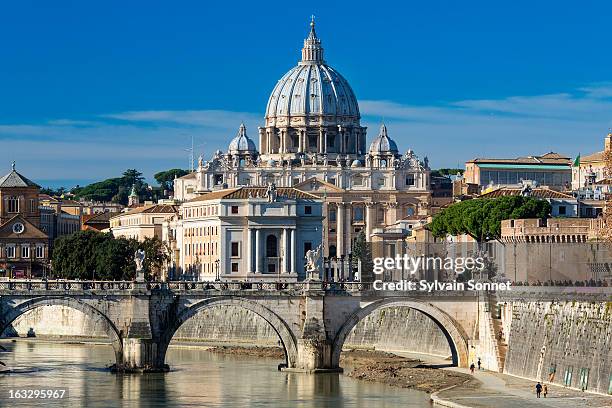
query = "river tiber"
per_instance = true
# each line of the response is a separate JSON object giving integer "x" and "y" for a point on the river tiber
{"x": 326, "y": 253}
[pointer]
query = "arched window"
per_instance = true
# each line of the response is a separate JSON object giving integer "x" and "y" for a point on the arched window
{"x": 271, "y": 246}
{"x": 13, "y": 204}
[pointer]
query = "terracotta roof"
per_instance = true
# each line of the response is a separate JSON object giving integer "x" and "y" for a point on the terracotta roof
{"x": 548, "y": 158}
{"x": 98, "y": 218}
{"x": 253, "y": 192}
{"x": 595, "y": 157}
{"x": 536, "y": 192}
{"x": 150, "y": 209}
{"x": 14, "y": 179}
{"x": 188, "y": 176}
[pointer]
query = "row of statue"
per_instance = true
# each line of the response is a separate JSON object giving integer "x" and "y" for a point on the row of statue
{"x": 229, "y": 161}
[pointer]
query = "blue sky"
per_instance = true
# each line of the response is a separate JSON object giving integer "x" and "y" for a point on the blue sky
{"x": 88, "y": 89}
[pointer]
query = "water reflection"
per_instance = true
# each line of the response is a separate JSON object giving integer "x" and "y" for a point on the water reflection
{"x": 198, "y": 378}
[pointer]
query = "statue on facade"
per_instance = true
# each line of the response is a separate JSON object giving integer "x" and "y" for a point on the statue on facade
{"x": 312, "y": 263}
{"x": 200, "y": 162}
{"x": 271, "y": 192}
{"x": 139, "y": 257}
{"x": 325, "y": 160}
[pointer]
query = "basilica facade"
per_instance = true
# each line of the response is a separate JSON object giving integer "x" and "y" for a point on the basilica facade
{"x": 313, "y": 140}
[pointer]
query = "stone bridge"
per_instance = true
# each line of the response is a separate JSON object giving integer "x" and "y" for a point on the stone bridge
{"x": 311, "y": 319}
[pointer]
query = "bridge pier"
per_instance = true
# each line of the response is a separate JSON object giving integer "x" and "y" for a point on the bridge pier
{"x": 140, "y": 356}
{"x": 314, "y": 356}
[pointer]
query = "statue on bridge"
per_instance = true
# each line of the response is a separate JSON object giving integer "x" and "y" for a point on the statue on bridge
{"x": 312, "y": 263}
{"x": 139, "y": 257}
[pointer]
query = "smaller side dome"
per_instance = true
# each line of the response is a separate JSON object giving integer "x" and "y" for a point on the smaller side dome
{"x": 241, "y": 143}
{"x": 383, "y": 144}
{"x": 356, "y": 163}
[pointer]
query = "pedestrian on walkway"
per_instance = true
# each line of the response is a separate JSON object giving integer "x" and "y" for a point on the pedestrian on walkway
{"x": 472, "y": 367}
{"x": 545, "y": 391}
{"x": 479, "y": 363}
{"x": 538, "y": 389}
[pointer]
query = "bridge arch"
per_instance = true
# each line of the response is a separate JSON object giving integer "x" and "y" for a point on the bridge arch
{"x": 107, "y": 326}
{"x": 454, "y": 333}
{"x": 281, "y": 328}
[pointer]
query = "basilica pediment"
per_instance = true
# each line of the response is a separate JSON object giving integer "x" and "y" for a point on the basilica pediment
{"x": 313, "y": 184}
{"x": 20, "y": 228}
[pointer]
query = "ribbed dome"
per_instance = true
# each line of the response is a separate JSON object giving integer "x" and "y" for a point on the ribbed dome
{"x": 383, "y": 144}
{"x": 241, "y": 143}
{"x": 313, "y": 89}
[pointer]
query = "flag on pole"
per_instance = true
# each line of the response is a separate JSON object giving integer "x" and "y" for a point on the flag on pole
{"x": 577, "y": 161}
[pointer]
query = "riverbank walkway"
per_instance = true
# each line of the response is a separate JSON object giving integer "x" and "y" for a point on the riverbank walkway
{"x": 505, "y": 391}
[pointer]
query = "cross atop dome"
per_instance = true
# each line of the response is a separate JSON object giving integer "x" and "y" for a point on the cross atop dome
{"x": 312, "y": 51}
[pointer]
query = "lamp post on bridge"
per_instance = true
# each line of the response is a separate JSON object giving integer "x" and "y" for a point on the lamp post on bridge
{"x": 217, "y": 276}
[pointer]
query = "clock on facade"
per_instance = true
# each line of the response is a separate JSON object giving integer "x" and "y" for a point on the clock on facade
{"x": 18, "y": 228}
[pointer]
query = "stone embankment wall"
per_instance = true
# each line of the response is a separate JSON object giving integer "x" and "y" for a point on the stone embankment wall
{"x": 392, "y": 329}
{"x": 567, "y": 343}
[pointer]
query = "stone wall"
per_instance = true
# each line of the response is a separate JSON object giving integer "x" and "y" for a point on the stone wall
{"x": 568, "y": 343}
{"x": 393, "y": 329}
{"x": 399, "y": 329}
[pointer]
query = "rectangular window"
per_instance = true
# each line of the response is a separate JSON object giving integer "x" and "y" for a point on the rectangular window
{"x": 307, "y": 246}
{"x": 331, "y": 180}
{"x": 25, "y": 251}
{"x": 234, "y": 209}
{"x": 410, "y": 180}
{"x": 235, "y": 249}
{"x": 295, "y": 180}
{"x": 234, "y": 267}
{"x": 32, "y": 206}
{"x": 10, "y": 251}
{"x": 358, "y": 214}
{"x": 561, "y": 210}
{"x": 40, "y": 251}
{"x": 308, "y": 210}
{"x": 332, "y": 215}
{"x": 381, "y": 182}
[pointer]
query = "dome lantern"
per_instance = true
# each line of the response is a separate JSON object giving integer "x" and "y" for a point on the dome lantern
{"x": 241, "y": 144}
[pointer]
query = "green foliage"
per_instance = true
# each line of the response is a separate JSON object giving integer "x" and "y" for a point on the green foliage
{"x": 362, "y": 251}
{"x": 53, "y": 192}
{"x": 481, "y": 218}
{"x": 446, "y": 172}
{"x": 118, "y": 189}
{"x": 88, "y": 254}
{"x": 166, "y": 178}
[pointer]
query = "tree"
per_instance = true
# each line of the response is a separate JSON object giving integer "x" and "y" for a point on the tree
{"x": 89, "y": 254}
{"x": 115, "y": 189}
{"x": 481, "y": 218}
{"x": 362, "y": 251}
{"x": 131, "y": 177}
{"x": 446, "y": 172}
{"x": 166, "y": 178}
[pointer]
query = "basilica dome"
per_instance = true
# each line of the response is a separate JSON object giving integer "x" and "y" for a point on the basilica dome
{"x": 312, "y": 90}
{"x": 383, "y": 144}
{"x": 241, "y": 143}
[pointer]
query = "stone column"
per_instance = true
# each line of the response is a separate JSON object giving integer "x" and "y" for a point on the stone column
{"x": 325, "y": 142}
{"x": 349, "y": 228}
{"x": 321, "y": 141}
{"x": 249, "y": 250}
{"x": 340, "y": 230}
{"x": 293, "y": 251}
{"x": 301, "y": 141}
{"x": 285, "y": 247}
{"x": 369, "y": 221}
{"x": 258, "y": 253}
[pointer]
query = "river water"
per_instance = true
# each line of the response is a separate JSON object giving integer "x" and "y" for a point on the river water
{"x": 197, "y": 379}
